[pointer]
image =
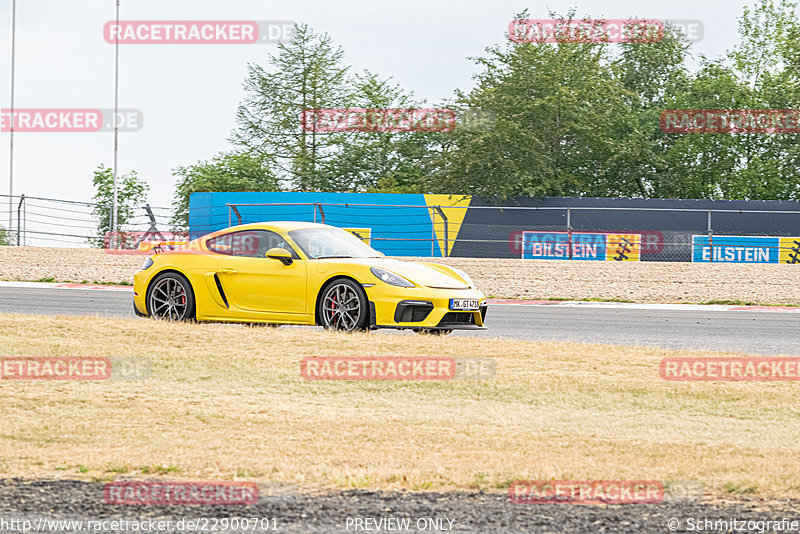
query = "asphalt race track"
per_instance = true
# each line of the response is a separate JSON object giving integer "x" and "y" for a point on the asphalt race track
{"x": 704, "y": 328}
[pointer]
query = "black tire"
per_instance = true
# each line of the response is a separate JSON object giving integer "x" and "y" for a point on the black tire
{"x": 434, "y": 331}
{"x": 170, "y": 297}
{"x": 353, "y": 317}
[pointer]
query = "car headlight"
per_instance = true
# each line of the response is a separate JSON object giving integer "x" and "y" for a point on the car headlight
{"x": 148, "y": 262}
{"x": 463, "y": 275}
{"x": 390, "y": 278}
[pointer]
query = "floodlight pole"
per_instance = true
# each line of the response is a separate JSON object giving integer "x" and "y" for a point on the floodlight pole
{"x": 113, "y": 229}
{"x": 12, "y": 118}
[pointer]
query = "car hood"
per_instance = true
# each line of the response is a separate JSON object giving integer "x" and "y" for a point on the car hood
{"x": 416, "y": 272}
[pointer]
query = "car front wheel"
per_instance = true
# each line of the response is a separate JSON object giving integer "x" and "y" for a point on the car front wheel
{"x": 344, "y": 307}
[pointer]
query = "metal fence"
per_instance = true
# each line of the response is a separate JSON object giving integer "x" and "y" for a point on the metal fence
{"x": 38, "y": 221}
{"x": 653, "y": 234}
{"x": 480, "y": 231}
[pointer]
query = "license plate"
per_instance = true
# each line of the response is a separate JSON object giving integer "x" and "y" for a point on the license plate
{"x": 465, "y": 304}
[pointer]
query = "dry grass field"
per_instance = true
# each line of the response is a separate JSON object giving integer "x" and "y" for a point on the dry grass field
{"x": 501, "y": 278}
{"x": 228, "y": 402}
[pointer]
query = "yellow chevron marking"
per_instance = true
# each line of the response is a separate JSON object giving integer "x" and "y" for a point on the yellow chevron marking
{"x": 454, "y": 208}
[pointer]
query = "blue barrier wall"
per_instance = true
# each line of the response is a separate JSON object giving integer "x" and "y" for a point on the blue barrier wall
{"x": 395, "y": 231}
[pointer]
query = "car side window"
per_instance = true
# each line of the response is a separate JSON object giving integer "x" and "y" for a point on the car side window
{"x": 256, "y": 243}
{"x": 220, "y": 244}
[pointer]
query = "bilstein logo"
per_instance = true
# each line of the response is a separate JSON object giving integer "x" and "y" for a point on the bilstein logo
{"x": 651, "y": 242}
{"x": 180, "y": 493}
{"x": 586, "y": 491}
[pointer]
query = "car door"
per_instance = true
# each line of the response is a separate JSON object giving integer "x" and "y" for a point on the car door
{"x": 254, "y": 283}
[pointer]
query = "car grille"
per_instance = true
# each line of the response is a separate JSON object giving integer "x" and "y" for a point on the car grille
{"x": 409, "y": 311}
{"x": 457, "y": 318}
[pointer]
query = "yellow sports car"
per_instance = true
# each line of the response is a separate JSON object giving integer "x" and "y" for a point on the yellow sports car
{"x": 306, "y": 274}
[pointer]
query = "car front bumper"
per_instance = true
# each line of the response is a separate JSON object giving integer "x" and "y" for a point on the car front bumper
{"x": 423, "y": 307}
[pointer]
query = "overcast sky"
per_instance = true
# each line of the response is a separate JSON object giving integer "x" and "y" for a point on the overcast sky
{"x": 188, "y": 93}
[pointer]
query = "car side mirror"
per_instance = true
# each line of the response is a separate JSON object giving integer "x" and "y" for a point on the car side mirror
{"x": 280, "y": 254}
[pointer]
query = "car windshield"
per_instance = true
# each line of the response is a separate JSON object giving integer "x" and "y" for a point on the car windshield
{"x": 321, "y": 243}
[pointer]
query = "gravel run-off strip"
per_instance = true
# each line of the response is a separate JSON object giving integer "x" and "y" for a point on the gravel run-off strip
{"x": 312, "y": 512}
{"x": 646, "y": 282}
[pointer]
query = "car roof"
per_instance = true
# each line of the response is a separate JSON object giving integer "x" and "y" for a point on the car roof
{"x": 277, "y": 225}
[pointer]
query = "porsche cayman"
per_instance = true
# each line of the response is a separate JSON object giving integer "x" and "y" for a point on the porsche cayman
{"x": 303, "y": 274}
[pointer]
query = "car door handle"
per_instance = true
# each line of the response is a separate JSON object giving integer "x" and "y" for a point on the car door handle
{"x": 228, "y": 271}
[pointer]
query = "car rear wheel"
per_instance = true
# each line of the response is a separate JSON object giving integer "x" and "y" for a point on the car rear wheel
{"x": 343, "y": 307}
{"x": 170, "y": 298}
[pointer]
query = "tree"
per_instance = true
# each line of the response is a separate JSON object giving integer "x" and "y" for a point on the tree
{"x": 3, "y": 237}
{"x": 131, "y": 194}
{"x": 307, "y": 74}
{"x": 377, "y": 160}
{"x": 651, "y": 74}
{"x": 756, "y": 74}
{"x": 225, "y": 172}
{"x": 767, "y": 60}
{"x": 559, "y": 110}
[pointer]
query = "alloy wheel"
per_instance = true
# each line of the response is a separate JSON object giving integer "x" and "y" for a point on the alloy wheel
{"x": 341, "y": 308}
{"x": 168, "y": 300}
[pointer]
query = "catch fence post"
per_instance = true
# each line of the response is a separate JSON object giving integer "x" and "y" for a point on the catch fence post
{"x": 111, "y": 241}
{"x": 19, "y": 218}
{"x": 569, "y": 231}
{"x": 710, "y": 238}
{"x": 440, "y": 211}
{"x": 236, "y": 212}
{"x": 433, "y": 231}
